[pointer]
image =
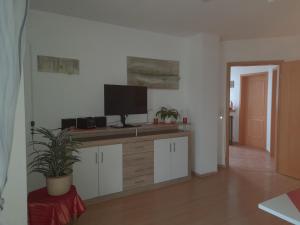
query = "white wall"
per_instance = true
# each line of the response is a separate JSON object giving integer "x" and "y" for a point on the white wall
{"x": 282, "y": 48}
{"x": 102, "y": 50}
{"x": 236, "y": 73}
{"x": 15, "y": 192}
{"x": 203, "y": 58}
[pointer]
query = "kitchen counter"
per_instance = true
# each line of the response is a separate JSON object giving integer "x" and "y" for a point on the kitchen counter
{"x": 120, "y": 162}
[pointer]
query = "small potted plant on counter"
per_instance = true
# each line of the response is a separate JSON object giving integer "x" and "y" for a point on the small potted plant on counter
{"x": 53, "y": 156}
{"x": 167, "y": 115}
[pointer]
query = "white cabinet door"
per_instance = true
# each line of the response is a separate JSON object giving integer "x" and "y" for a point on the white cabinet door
{"x": 162, "y": 160}
{"x": 110, "y": 169}
{"x": 179, "y": 158}
{"x": 85, "y": 173}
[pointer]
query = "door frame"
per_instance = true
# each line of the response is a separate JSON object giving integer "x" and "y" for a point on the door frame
{"x": 242, "y": 136}
{"x": 227, "y": 101}
{"x": 275, "y": 86}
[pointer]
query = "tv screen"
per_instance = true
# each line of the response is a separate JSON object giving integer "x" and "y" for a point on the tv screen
{"x": 124, "y": 100}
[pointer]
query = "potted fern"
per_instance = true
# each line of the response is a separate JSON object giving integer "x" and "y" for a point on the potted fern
{"x": 167, "y": 115}
{"x": 53, "y": 156}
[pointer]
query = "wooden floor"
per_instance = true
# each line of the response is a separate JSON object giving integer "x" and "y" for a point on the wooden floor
{"x": 228, "y": 198}
{"x": 244, "y": 158}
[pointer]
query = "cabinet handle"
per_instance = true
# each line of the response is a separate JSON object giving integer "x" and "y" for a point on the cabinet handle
{"x": 174, "y": 147}
{"x": 96, "y": 156}
{"x": 102, "y": 157}
{"x": 170, "y": 147}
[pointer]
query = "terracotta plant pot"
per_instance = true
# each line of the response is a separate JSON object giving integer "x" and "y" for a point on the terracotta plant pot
{"x": 168, "y": 120}
{"x": 58, "y": 185}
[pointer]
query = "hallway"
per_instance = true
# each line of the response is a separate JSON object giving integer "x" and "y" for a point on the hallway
{"x": 251, "y": 159}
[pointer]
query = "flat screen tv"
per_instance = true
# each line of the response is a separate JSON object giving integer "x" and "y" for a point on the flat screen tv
{"x": 124, "y": 100}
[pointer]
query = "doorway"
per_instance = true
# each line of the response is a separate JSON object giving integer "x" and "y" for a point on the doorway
{"x": 251, "y": 113}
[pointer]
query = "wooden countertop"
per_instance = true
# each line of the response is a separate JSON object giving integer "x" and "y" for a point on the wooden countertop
{"x": 139, "y": 127}
{"x": 128, "y": 138}
{"x": 109, "y": 135}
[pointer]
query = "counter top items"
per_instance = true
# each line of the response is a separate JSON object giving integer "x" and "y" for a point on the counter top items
{"x": 167, "y": 115}
{"x": 142, "y": 129}
{"x": 185, "y": 126}
{"x": 286, "y": 206}
{"x": 44, "y": 209}
{"x": 155, "y": 120}
{"x": 69, "y": 123}
{"x": 124, "y": 100}
{"x": 86, "y": 123}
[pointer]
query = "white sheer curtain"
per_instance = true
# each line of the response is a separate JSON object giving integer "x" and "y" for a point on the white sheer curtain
{"x": 12, "y": 20}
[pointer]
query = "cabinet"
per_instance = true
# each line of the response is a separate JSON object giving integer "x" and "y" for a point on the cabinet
{"x": 170, "y": 159}
{"x": 100, "y": 171}
{"x": 85, "y": 173}
{"x": 131, "y": 165}
{"x": 162, "y": 160}
{"x": 138, "y": 161}
{"x": 110, "y": 169}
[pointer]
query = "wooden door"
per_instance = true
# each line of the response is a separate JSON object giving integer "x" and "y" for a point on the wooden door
{"x": 162, "y": 160}
{"x": 85, "y": 173}
{"x": 253, "y": 110}
{"x": 179, "y": 158}
{"x": 288, "y": 139}
{"x": 110, "y": 169}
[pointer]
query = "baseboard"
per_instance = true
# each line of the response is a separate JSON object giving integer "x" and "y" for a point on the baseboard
{"x": 204, "y": 174}
{"x": 235, "y": 143}
{"x": 221, "y": 166}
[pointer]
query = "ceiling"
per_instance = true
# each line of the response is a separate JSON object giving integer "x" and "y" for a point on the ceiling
{"x": 231, "y": 19}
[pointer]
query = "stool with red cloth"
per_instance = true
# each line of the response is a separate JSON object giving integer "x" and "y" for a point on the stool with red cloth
{"x": 44, "y": 209}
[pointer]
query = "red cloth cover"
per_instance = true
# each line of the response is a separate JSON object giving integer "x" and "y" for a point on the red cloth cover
{"x": 295, "y": 198}
{"x": 44, "y": 209}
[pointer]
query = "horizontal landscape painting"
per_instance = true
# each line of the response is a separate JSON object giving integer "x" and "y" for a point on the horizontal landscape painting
{"x": 153, "y": 73}
{"x": 52, "y": 64}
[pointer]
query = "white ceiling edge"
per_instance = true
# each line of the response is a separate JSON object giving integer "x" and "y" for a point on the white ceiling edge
{"x": 222, "y": 39}
{"x": 230, "y": 19}
{"x": 37, "y": 11}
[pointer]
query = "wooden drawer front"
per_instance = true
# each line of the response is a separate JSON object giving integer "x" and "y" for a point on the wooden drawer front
{"x": 144, "y": 158}
{"x": 138, "y": 170}
{"x": 138, "y": 147}
{"x": 137, "y": 182}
